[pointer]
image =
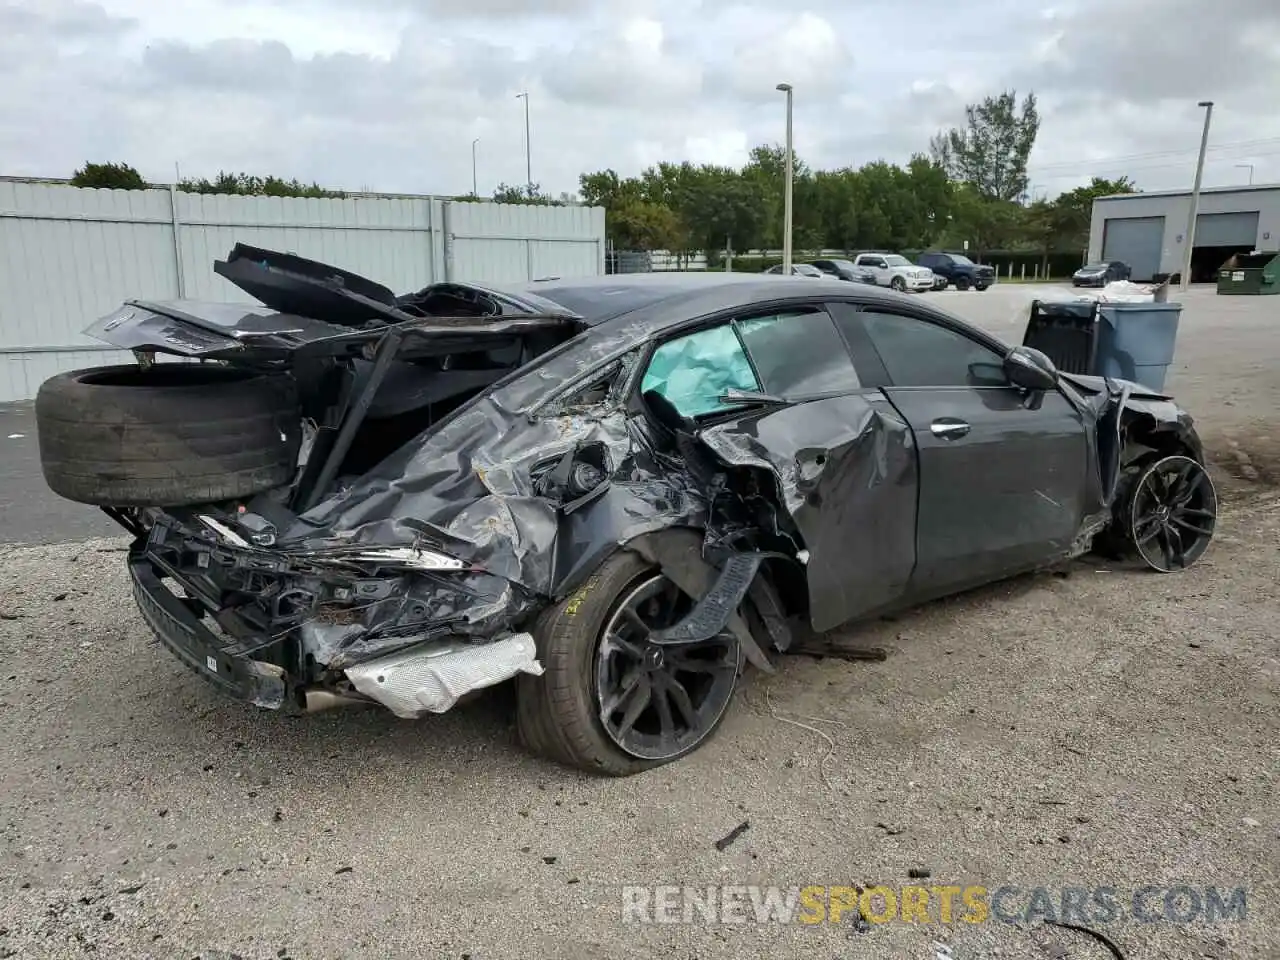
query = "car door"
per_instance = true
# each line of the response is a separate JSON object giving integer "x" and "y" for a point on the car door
{"x": 1003, "y": 482}
{"x": 842, "y": 458}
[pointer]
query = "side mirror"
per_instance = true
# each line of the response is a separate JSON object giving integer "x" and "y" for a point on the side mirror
{"x": 1030, "y": 369}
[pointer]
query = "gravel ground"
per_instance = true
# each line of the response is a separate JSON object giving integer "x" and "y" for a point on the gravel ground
{"x": 1101, "y": 727}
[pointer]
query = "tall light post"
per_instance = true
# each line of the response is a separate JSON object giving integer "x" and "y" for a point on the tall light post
{"x": 1190, "y": 236}
{"x": 786, "y": 202}
{"x": 528, "y": 161}
{"x": 475, "y": 184}
{"x": 1249, "y": 167}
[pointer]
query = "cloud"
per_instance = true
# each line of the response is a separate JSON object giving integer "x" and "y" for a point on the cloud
{"x": 389, "y": 95}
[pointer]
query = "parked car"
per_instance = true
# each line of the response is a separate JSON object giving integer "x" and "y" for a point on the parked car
{"x": 892, "y": 270}
{"x": 799, "y": 270}
{"x": 957, "y": 269}
{"x": 1101, "y": 273}
{"x": 617, "y": 490}
{"x": 845, "y": 270}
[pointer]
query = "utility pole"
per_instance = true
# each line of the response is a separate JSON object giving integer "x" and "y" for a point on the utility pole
{"x": 475, "y": 188}
{"x": 528, "y": 158}
{"x": 1190, "y": 236}
{"x": 786, "y": 203}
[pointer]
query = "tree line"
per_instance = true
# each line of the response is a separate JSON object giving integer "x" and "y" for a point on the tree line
{"x": 968, "y": 189}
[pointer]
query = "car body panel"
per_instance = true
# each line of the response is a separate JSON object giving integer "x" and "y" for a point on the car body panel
{"x": 846, "y": 473}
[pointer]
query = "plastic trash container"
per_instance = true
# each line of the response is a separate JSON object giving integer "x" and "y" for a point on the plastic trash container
{"x": 1132, "y": 341}
{"x": 1136, "y": 341}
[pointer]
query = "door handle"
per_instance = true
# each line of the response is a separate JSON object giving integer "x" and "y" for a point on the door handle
{"x": 949, "y": 428}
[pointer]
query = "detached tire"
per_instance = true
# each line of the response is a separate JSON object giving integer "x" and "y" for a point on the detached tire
{"x": 176, "y": 434}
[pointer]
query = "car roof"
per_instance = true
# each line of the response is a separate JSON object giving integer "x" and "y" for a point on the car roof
{"x": 661, "y": 300}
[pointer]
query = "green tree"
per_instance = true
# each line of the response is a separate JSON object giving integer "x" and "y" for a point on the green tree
{"x": 529, "y": 194}
{"x": 990, "y": 153}
{"x": 108, "y": 176}
{"x": 1073, "y": 210}
{"x": 250, "y": 185}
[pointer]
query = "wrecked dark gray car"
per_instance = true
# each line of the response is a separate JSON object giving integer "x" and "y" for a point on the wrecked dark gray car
{"x": 617, "y": 490}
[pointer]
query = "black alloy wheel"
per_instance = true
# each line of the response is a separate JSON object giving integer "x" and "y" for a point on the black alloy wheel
{"x": 1172, "y": 513}
{"x": 658, "y": 702}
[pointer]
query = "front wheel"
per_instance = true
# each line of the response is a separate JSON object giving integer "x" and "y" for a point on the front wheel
{"x": 898, "y": 284}
{"x": 611, "y": 701}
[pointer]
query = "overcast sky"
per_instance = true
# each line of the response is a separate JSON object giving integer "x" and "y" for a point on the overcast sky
{"x": 390, "y": 97}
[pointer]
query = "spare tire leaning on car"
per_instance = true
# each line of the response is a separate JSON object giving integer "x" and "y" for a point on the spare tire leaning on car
{"x": 172, "y": 434}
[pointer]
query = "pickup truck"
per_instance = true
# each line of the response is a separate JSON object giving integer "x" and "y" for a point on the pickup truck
{"x": 892, "y": 270}
{"x": 958, "y": 269}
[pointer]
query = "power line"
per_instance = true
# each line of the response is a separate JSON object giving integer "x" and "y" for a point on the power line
{"x": 1037, "y": 175}
{"x": 1157, "y": 155}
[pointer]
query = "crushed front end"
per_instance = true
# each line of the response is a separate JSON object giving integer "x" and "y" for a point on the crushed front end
{"x": 411, "y": 628}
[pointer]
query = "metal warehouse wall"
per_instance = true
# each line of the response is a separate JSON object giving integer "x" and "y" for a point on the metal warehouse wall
{"x": 70, "y": 255}
{"x": 1263, "y": 199}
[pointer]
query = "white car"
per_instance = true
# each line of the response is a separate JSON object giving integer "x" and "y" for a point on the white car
{"x": 892, "y": 270}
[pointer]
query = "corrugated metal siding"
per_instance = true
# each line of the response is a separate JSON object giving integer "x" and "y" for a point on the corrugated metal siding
{"x": 70, "y": 255}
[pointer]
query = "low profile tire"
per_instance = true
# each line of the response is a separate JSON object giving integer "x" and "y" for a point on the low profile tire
{"x": 1165, "y": 514}
{"x": 962, "y": 283}
{"x": 898, "y": 284}
{"x": 172, "y": 435}
{"x": 607, "y": 703}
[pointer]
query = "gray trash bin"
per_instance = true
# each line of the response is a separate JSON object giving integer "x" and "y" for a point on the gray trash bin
{"x": 1136, "y": 341}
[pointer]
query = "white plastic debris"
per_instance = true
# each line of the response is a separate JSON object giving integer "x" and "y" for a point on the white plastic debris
{"x": 431, "y": 679}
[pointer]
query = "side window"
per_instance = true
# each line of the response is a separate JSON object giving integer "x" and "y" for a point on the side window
{"x": 694, "y": 371}
{"x": 798, "y": 354}
{"x": 917, "y": 353}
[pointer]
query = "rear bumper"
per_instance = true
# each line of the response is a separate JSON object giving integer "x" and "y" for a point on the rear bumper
{"x": 213, "y": 658}
{"x": 426, "y": 677}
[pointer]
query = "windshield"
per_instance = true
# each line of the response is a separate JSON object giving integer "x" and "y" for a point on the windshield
{"x": 808, "y": 270}
{"x": 894, "y": 260}
{"x": 961, "y": 260}
{"x": 1094, "y": 266}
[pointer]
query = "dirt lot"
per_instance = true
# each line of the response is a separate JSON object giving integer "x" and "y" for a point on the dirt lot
{"x": 1107, "y": 727}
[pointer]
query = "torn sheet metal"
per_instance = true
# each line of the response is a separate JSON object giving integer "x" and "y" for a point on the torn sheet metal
{"x": 431, "y": 679}
{"x": 854, "y": 452}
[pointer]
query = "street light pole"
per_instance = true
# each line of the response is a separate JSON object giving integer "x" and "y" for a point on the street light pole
{"x": 1249, "y": 167}
{"x": 1190, "y": 236}
{"x": 528, "y": 161}
{"x": 786, "y": 203}
{"x": 475, "y": 184}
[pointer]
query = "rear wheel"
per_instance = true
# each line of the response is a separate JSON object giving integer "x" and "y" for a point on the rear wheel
{"x": 962, "y": 283}
{"x": 611, "y": 701}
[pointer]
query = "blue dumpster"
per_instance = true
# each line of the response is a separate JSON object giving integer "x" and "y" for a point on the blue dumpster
{"x": 1136, "y": 341}
{"x": 1133, "y": 341}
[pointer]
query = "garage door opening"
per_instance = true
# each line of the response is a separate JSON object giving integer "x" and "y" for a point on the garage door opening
{"x": 1207, "y": 261}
